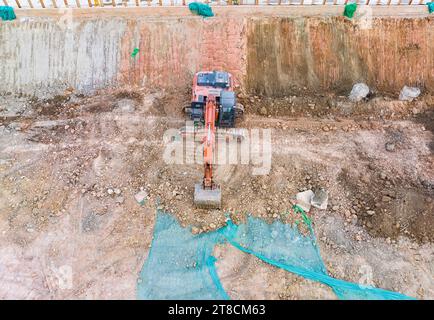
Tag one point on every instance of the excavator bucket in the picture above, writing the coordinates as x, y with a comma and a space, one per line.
207, 198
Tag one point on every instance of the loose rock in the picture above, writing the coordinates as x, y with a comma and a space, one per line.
409, 93
359, 92
390, 147
141, 197
304, 199
263, 111
320, 199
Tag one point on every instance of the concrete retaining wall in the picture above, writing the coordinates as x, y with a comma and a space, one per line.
270, 50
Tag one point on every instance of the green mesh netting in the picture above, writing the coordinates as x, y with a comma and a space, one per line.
201, 9
7, 13
430, 7
350, 9
180, 265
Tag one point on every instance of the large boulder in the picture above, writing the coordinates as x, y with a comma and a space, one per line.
359, 92
304, 198
409, 93
320, 199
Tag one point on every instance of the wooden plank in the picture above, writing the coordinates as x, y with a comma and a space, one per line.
30, 3
54, 3
89, 3
18, 3
77, 2
42, 3
6, 3
66, 3
137, 3
114, 3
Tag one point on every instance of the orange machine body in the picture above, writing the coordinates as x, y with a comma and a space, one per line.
213, 105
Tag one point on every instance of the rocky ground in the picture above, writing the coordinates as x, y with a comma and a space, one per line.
81, 178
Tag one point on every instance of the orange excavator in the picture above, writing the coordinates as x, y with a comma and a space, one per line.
213, 105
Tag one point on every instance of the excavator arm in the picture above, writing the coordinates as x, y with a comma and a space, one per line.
209, 141
208, 194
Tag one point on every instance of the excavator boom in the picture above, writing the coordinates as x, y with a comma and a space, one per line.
207, 194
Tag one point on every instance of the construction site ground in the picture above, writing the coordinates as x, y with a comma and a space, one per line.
71, 166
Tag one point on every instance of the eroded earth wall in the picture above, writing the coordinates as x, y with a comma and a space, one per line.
270, 50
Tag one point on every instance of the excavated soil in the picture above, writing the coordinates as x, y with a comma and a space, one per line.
71, 166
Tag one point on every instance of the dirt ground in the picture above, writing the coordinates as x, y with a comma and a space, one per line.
72, 166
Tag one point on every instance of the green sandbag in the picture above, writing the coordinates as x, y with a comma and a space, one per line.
7, 13
135, 52
350, 9
201, 9
430, 7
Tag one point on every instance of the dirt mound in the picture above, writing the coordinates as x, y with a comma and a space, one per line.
389, 206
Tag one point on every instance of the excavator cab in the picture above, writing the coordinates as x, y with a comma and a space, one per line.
218, 84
